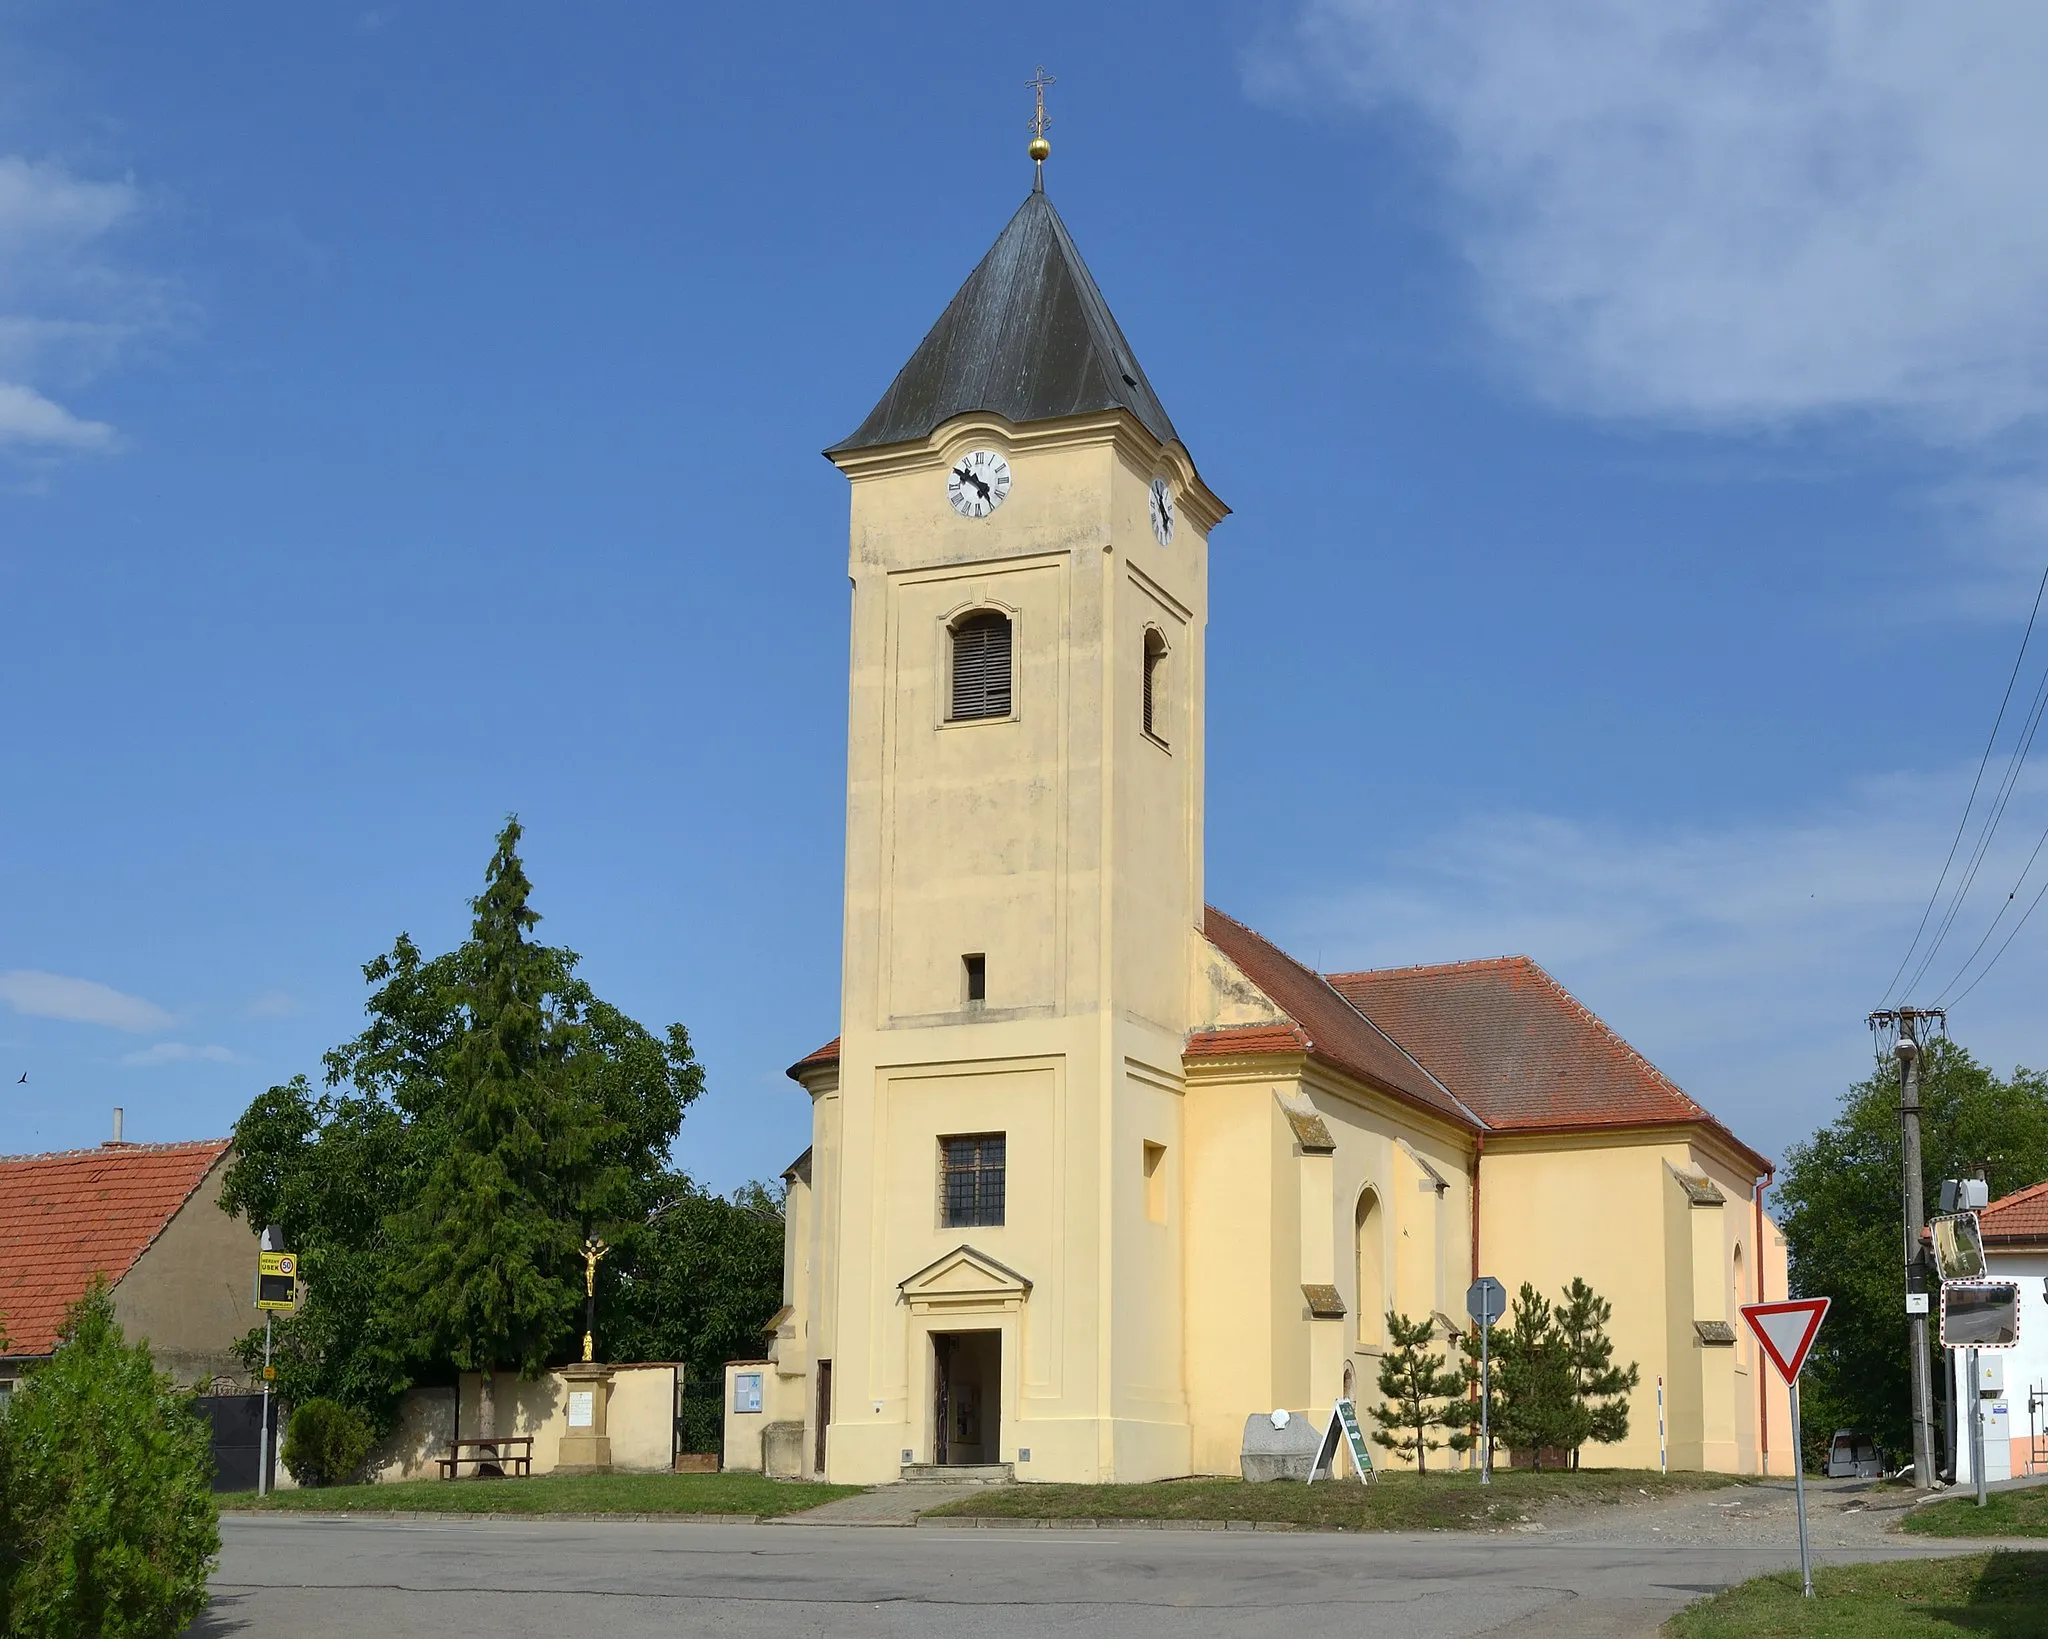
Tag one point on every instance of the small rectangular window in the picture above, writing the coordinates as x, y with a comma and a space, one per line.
976, 969
1155, 1182
971, 1181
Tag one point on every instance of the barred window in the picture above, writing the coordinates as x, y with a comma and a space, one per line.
971, 1180
981, 666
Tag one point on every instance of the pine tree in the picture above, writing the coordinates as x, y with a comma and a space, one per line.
1535, 1407
493, 1239
1418, 1394
1600, 1389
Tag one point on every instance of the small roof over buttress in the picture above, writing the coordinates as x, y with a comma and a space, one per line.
1028, 337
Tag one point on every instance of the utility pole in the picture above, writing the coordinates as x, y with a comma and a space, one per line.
1905, 1025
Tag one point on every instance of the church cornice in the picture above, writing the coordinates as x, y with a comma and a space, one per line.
1117, 428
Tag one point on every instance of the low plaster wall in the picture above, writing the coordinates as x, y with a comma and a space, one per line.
640, 1419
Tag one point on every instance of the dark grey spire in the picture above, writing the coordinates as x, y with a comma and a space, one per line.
1028, 336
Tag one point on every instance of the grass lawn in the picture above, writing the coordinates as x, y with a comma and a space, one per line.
558, 1494
2003, 1593
2004, 1514
1394, 1502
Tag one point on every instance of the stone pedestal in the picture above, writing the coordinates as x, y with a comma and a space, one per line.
586, 1448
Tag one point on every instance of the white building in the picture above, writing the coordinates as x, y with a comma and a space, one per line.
2013, 1382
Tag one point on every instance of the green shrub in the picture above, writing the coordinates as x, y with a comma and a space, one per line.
107, 1520
326, 1442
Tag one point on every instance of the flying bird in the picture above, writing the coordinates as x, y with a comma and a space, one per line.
24, 1077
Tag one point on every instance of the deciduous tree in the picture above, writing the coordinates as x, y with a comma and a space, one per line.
107, 1520
492, 1112
1840, 1197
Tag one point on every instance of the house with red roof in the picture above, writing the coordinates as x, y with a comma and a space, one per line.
2012, 1383
147, 1217
1097, 1173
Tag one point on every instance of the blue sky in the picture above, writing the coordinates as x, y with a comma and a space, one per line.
1632, 417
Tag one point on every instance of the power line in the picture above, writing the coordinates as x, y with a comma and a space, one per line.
2015, 765
2005, 905
1982, 763
2009, 938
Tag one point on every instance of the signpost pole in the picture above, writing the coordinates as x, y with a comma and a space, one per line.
1786, 1331
1485, 1403
263, 1447
1799, 1484
1977, 1430
1663, 1452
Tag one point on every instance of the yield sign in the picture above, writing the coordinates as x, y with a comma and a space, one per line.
1786, 1330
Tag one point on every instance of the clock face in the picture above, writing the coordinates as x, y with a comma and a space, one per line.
1162, 512
977, 483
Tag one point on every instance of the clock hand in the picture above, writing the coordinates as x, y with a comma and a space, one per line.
966, 477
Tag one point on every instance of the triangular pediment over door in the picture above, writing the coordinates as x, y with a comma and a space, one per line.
965, 1278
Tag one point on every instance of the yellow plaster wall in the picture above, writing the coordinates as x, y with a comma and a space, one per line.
1604, 1212
191, 1295
1611, 1209
1229, 1181
1065, 846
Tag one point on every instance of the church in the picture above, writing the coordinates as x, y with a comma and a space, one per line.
1096, 1170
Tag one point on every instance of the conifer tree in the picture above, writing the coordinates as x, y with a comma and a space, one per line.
1535, 1407
1600, 1388
492, 1239
1418, 1394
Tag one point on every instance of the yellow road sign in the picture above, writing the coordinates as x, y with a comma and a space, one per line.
277, 1281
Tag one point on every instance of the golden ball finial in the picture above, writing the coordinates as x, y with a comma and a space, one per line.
1040, 149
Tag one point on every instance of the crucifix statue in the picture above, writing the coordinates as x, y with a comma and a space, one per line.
1040, 148
593, 1253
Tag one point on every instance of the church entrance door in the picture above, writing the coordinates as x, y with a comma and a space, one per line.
967, 1417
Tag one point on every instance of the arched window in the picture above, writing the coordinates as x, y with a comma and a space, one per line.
1155, 654
1371, 1252
981, 666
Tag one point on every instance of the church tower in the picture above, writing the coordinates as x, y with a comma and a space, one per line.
996, 1160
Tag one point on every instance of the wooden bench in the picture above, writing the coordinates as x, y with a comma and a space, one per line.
510, 1454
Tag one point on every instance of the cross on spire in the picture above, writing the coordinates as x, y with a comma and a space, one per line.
1039, 124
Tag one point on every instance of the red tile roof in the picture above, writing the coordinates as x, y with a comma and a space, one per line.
1521, 1050
1327, 1026
2020, 1218
816, 1060
1495, 1045
65, 1216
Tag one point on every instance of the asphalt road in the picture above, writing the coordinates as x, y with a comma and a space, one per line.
325, 1579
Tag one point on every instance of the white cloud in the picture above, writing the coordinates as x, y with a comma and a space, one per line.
177, 1052
1741, 960
273, 1004
81, 1001
66, 309
1731, 211
26, 417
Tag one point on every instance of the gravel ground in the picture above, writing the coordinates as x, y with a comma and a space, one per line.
1763, 1513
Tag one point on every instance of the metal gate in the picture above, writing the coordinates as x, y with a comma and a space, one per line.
237, 1421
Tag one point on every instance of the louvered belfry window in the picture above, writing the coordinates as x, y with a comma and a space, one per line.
971, 1180
981, 666
1155, 655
